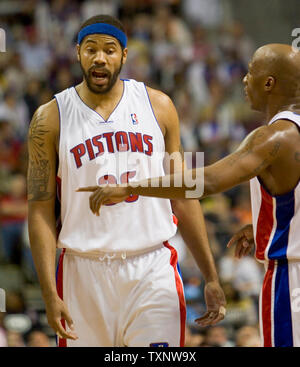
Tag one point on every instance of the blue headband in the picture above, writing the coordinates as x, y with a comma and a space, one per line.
103, 28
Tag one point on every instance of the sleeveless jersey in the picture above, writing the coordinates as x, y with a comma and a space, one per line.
128, 146
276, 219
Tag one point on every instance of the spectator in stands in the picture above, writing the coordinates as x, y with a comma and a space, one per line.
193, 337
3, 337
247, 336
38, 338
13, 212
14, 339
217, 335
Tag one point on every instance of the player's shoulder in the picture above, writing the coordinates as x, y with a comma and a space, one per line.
164, 110
285, 127
285, 133
48, 108
279, 130
48, 115
159, 98
274, 140
45, 122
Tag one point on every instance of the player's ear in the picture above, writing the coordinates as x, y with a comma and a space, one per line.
78, 52
125, 51
270, 83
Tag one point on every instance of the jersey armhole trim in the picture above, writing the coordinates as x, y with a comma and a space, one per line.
59, 136
153, 112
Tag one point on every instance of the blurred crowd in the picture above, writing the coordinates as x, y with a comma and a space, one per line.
196, 53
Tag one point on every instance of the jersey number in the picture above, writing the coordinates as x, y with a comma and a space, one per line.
110, 179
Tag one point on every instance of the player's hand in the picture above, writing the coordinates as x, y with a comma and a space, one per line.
57, 310
215, 303
244, 240
105, 195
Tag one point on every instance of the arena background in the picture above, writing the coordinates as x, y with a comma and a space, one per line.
197, 52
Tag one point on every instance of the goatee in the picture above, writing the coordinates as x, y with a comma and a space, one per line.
112, 78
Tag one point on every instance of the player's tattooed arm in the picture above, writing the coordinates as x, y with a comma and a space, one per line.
42, 144
39, 165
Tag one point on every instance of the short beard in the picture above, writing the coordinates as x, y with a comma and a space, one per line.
112, 80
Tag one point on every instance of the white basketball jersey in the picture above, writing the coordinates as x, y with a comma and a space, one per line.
128, 146
276, 219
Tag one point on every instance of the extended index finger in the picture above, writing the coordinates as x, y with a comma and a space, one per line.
87, 189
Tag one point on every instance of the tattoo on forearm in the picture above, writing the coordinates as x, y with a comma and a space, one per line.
39, 165
297, 157
38, 179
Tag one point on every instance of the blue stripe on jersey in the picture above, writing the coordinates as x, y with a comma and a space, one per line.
283, 332
178, 268
285, 209
56, 273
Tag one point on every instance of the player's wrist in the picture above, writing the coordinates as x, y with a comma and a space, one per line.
125, 189
49, 294
212, 278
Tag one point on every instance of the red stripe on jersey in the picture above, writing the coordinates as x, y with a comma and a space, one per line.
58, 214
58, 188
175, 220
179, 287
264, 224
59, 285
267, 305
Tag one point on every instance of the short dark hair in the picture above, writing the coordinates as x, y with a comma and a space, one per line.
103, 18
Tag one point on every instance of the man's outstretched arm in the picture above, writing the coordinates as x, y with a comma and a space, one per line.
255, 154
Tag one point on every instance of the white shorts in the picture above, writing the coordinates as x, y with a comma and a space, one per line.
136, 302
280, 304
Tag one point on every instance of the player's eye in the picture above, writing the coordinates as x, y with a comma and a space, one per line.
90, 50
110, 51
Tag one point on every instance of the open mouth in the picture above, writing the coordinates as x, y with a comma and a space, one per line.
99, 76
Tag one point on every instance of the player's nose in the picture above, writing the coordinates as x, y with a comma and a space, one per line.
100, 58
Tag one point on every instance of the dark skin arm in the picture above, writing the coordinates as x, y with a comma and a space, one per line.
42, 147
189, 213
269, 152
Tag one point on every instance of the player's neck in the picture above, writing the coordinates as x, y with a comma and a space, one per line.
283, 104
95, 100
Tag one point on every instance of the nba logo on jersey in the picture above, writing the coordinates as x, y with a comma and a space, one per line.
134, 119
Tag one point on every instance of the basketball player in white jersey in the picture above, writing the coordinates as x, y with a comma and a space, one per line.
117, 281
270, 158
